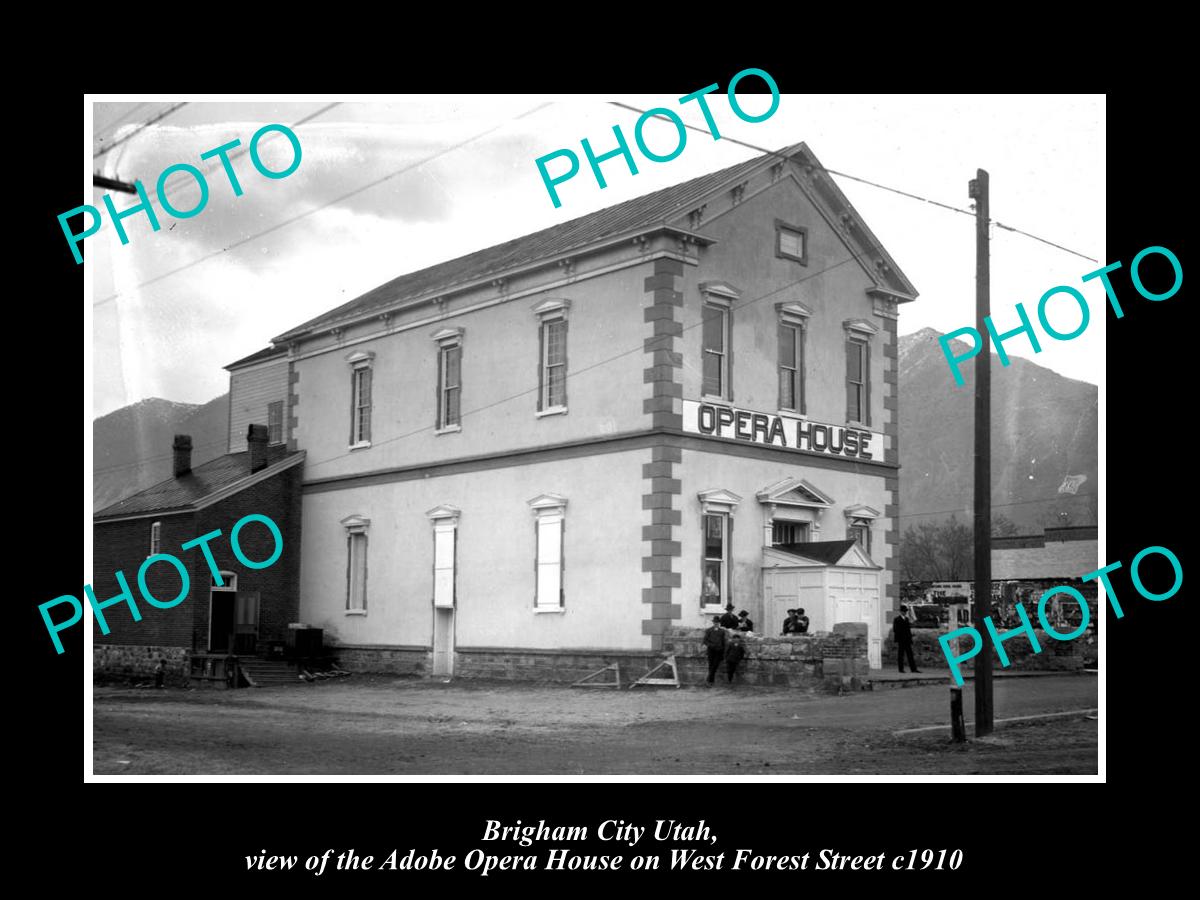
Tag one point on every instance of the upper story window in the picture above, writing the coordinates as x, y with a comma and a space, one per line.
275, 422
717, 340
791, 242
858, 370
785, 532
449, 390
552, 356
792, 317
155, 537
360, 399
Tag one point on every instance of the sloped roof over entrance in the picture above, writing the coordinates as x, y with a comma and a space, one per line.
819, 553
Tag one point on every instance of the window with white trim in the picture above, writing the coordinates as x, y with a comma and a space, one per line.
860, 530
552, 373
716, 539
275, 422
858, 380
449, 380
715, 328
784, 531
791, 365
445, 554
716, 560
859, 333
549, 565
791, 242
356, 564
155, 537
360, 399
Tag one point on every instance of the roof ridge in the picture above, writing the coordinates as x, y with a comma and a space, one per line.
572, 233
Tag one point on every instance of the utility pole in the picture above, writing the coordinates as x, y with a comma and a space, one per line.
978, 191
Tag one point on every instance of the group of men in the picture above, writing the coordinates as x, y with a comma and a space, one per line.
724, 645
796, 622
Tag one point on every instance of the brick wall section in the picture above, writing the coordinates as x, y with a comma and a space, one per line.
1056, 656
660, 474
823, 661
124, 546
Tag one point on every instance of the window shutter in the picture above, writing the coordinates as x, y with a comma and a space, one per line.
565, 366
353, 405
549, 562
541, 366
366, 429
443, 565
866, 391
852, 370
800, 362
440, 364
729, 354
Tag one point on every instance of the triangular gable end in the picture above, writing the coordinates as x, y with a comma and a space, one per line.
856, 558
800, 165
795, 492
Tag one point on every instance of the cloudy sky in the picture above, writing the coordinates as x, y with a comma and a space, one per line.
392, 186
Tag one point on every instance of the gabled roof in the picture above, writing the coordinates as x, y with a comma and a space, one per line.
829, 553
257, 356
628, 218
216, 478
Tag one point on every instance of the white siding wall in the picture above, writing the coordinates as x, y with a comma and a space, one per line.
250, 390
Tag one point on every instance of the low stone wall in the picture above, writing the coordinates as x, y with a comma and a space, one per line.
389, 660
1056, 656
829, 661
136, 662
553, 666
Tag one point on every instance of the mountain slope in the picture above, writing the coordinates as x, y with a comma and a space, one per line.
132, 445
1044, 428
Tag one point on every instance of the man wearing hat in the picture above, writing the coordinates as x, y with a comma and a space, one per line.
790, 623
744, 622
714, 643
729, 620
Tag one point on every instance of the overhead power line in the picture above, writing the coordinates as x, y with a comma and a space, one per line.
338, 199
875, 184
162, 115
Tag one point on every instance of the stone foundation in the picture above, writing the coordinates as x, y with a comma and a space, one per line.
134, 662
824, 661
1056, 656
404, 660
551, 666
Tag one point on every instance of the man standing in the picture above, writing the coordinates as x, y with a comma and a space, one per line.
714, 642
729, 620
902, 631
801, 626
733, 654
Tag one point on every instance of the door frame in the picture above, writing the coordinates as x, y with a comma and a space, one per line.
230, 587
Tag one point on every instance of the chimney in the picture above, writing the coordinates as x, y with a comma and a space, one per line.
256, 439
183, 454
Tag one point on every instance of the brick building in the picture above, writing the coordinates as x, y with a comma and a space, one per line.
564, 445
250, 608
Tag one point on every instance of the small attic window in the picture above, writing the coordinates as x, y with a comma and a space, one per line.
791, 242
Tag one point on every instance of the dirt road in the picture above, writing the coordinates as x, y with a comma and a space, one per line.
391, 726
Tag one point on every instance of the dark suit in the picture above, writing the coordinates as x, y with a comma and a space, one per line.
714, 642
733, 655
902, 629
